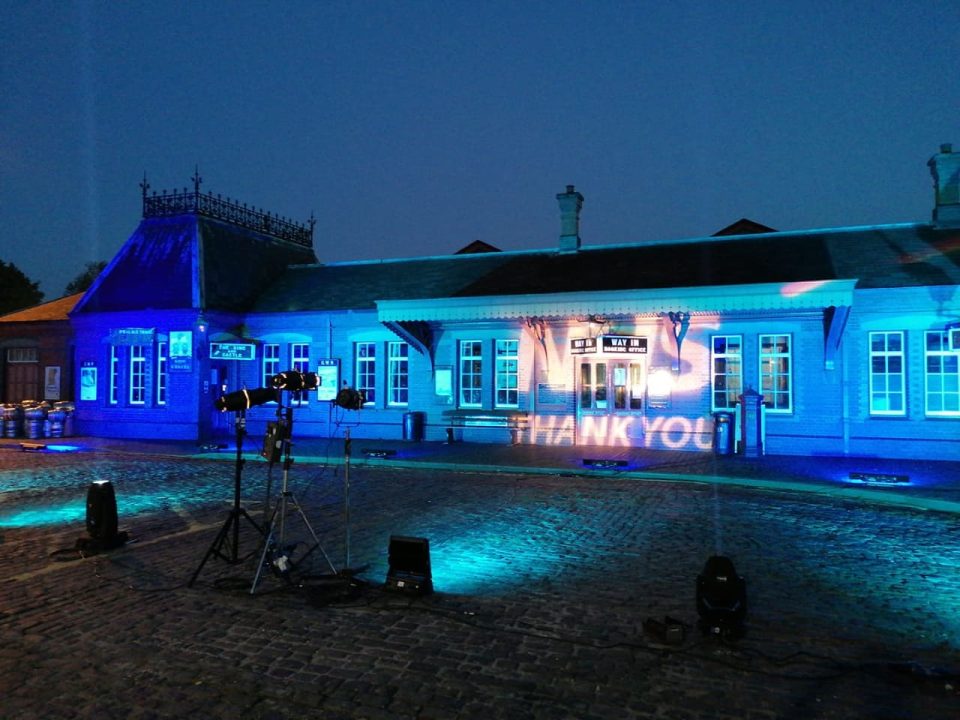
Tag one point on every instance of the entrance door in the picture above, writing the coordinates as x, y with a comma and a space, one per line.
610, 401
220, 384
22, 375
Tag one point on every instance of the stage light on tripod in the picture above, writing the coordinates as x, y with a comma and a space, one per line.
295, 380
350, 399
245, 399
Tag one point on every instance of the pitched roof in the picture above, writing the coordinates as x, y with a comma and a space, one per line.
50, 311
744, 226
477, 246
739, 261
359, 285
879, 256
157, 266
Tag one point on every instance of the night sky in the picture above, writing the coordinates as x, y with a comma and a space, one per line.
414, 128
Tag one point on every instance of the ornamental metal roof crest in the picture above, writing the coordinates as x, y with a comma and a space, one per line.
186, 201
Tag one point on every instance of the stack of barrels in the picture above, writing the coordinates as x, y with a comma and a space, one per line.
35, 419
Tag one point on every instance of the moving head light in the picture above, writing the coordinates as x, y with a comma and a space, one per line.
721, 598
294, 380
246, 399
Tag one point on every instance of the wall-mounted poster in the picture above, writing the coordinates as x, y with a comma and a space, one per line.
443, 384
181, 343
51, 382
180, 351
328, 378
88, 381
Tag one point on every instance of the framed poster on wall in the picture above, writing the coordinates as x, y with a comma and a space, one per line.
88, 380
51, 382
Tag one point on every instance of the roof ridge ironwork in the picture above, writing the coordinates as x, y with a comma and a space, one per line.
179, 202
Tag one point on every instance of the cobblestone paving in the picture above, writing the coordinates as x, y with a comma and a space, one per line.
542, 587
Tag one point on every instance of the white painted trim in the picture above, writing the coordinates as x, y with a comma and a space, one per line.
812, 295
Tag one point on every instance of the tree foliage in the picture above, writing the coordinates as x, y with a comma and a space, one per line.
85, 279
17, 291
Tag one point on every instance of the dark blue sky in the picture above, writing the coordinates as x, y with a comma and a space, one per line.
413, 128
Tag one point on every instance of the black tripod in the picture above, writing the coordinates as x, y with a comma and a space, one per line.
274, 542
229, 534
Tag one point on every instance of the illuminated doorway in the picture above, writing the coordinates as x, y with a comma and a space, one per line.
222, 381
610, 400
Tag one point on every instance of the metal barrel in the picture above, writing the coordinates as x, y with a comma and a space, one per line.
12, 420
35, 416
55, 419
69, 409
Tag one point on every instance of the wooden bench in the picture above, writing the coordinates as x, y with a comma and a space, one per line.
513, 420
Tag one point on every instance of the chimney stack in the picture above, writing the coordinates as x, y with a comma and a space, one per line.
945, 168
570, 203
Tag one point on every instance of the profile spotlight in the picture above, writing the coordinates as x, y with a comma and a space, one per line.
721, 598
350, 399
101, 519
294, 380
245, 399
409, 571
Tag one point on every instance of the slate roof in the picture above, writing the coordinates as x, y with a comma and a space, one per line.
344, 286
734, 262
155, 268
897, 256
907, 255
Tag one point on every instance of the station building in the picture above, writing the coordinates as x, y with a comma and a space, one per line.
838, 341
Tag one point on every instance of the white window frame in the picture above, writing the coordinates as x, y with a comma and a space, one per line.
300, 361
887, 356
137, 380
773, 372
161, 373
470, 373
269, 363
398, 374
947, 379
113, 394
506, 374
365, 370
727, 357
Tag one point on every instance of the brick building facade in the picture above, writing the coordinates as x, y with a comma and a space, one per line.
832, 341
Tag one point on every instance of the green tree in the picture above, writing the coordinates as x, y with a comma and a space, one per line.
16, 289
85, 279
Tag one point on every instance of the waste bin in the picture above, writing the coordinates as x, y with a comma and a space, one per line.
723, 433
413, 423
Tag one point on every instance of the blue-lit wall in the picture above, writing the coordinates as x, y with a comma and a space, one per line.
830, 407
917, 434
188, 399
830, 392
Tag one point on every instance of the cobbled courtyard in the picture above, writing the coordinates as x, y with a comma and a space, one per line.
542, 586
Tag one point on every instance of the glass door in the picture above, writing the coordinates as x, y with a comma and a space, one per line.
610, 401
